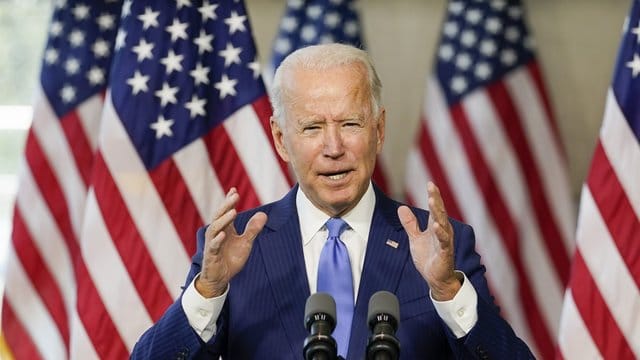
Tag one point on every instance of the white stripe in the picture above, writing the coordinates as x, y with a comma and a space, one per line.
51, 137
109, 274
607, 267
623, 150
143, 203
500, 272
80, 347
550, 164
507, 172
417, 177
89, 112
194, 165
575, 341
47, 238
31, 312
256, 153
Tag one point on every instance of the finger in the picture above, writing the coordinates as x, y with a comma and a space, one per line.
229, 202
222, 223
436, 205
445, 238
408, 221
255, 225
215, 244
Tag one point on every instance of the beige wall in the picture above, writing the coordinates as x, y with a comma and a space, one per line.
577, 42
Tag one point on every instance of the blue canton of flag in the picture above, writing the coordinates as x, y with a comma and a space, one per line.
624, 86
480, 42
181, 72
78, 53
310, 22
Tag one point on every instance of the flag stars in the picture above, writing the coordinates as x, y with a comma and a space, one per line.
126, 8
456, 7
95, 76
235, 22
143, 50
450, 29
468, 38
351, 28
200, 74
488, 47
56, 29
634, 65
178, 30
314, 11
636, 32
208, 11
231, 55
72, 66
226, 86
100, 48
121, 39
473, 16
51, 56
255, 67
67, 94
149, 18
172, 62
446, 52
482, 71
515, 12
204, 42
493, 25
512, 34
508, 57
308, 33
162, 127
196, 106
182, 3
81, 12
106, 21
289, 24
282, 45
463, 61
332, 19
167, 94
76, 38
138, 83
459, 84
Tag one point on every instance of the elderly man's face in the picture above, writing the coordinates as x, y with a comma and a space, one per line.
330, 136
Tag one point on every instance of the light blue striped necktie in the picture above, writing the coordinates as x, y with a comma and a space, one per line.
335, 278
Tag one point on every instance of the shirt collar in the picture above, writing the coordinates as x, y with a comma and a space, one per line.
313, 219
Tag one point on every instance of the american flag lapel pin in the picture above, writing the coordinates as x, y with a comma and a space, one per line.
394, 244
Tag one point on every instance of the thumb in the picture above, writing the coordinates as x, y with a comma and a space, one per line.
408, 221
255, 225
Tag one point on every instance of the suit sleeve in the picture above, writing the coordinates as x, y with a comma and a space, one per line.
491, 337
171, 337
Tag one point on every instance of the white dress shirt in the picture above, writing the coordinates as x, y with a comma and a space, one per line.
460, 313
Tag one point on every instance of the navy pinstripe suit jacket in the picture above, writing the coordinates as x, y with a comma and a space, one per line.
263, 314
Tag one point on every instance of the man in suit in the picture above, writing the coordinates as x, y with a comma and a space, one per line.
245, 293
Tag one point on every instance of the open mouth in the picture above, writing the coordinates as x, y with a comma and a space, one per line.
337, 175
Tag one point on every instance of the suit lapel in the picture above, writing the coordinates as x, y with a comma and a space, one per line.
281, 249
386, 255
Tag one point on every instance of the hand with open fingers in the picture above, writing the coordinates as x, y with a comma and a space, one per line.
226, 251
432, 249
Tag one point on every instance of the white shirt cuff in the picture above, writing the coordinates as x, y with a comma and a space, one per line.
202, 313
460, 313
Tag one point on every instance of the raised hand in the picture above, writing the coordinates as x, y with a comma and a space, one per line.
226, 251
432, 249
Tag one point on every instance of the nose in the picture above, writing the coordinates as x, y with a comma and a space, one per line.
333, 142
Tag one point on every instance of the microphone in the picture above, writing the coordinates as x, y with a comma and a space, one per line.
320, 320
383, 318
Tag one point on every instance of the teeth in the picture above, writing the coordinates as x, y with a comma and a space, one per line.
337, 176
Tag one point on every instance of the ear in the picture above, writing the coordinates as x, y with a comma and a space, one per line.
380, 130
278, 139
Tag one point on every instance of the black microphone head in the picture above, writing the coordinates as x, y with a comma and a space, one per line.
383, 306
320, 307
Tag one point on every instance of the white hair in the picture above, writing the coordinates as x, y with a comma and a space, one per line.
322, 57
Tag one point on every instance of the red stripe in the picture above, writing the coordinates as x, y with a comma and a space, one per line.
508, 231
547, 224
229, 168
536, 75
17, 338
39, 276
596, 315
178, 202
438, 175
78, 143
88, 297
129, 242
262, 108
616, 210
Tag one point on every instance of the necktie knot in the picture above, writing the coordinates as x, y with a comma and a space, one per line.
335, 226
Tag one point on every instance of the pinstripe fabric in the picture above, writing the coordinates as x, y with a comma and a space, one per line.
263, 314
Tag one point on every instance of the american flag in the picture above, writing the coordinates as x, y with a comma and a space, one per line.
185, 118
312, 22
601, 310
487, 138
39, 314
